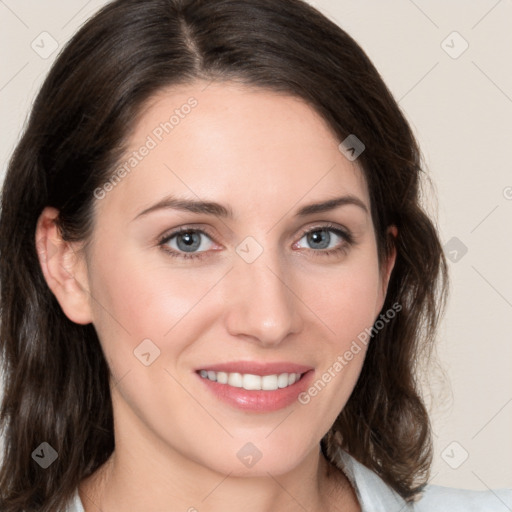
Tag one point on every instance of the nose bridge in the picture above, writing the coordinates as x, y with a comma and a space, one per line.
262, 304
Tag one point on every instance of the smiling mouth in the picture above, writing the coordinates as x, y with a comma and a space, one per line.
252, 382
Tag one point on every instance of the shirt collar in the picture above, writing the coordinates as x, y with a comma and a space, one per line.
373, 493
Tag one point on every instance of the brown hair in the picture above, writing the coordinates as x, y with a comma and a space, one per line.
55, 375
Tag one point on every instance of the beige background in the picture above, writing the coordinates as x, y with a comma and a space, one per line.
460, 107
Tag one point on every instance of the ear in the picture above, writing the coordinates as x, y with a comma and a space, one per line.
387, 267
64, 268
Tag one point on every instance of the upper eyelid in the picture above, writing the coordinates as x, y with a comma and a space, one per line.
328, 226
184, 229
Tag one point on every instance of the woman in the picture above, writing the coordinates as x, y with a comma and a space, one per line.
216, 273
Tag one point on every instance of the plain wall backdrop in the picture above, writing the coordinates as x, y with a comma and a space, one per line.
448, 64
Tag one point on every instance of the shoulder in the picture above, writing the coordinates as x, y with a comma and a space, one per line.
376, 496
454, 500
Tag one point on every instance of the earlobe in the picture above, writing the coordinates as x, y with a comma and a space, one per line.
63, 267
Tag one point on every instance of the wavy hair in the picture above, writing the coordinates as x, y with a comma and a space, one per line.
56, 379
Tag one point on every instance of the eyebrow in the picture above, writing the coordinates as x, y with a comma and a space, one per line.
219, 210
331, 204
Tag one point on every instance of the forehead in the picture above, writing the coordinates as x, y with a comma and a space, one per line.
254, 149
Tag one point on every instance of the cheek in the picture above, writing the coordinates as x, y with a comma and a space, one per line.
345, 300
347, 309
135, 301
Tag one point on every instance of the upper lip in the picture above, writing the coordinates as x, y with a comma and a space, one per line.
256, 368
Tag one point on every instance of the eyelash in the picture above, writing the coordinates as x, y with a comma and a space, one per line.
342, 249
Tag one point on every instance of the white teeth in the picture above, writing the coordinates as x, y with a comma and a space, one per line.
282, 380
252, 382
269, 382
222, 377
235, 380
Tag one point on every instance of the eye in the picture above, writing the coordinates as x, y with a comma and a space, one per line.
186, 243
325, 239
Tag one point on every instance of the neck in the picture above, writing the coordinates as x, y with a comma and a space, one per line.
149, 475
121, 485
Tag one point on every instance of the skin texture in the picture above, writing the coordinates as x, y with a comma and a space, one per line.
263, 155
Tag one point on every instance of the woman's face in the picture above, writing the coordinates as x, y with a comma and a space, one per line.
260, 285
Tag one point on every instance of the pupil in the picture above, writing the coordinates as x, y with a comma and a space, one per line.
321, 238
187, 241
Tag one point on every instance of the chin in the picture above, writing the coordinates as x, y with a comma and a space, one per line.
243, 458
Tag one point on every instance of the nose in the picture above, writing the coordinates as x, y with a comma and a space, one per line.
262, 301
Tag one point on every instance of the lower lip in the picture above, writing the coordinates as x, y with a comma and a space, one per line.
259, 401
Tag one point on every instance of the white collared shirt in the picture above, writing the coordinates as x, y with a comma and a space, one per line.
375, 495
